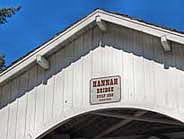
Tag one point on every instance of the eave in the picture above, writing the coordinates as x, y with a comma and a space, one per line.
91, 18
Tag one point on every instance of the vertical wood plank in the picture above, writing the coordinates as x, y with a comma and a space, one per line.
31, 98
128, 69
22, 106
96, 55
13, 109
160, 76
4, 111
78, 73
40, 98
149, 71
116, 51
107, 53
138, 66
171, 83
123, 42
59, 85
49, 90
68, 78
87, 65
179, 77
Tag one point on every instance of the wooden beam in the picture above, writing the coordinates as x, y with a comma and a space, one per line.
83, 125
165, 43
42, 62
119, 125
101, 24
142, 27
158, 137
145, 119
78, 122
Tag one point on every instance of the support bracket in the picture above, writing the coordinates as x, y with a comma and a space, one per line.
42, 62
100, 23
165, 43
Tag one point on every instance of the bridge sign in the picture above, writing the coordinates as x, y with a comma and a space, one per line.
105, 90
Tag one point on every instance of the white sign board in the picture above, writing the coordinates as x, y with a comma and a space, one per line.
105, 90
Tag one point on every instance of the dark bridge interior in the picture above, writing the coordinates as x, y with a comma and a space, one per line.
121, 123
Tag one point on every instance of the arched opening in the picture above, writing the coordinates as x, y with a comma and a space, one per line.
119, 123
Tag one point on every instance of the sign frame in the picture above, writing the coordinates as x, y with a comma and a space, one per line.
90, 100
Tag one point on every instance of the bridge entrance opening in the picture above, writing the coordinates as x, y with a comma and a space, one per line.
119, 123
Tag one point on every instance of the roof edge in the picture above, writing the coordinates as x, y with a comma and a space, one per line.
142, 26
104, 15
48, 46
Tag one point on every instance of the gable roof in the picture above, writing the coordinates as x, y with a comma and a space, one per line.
115, 18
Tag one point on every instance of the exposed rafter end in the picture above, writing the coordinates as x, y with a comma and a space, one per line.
153, 137
42, 62
158, 137
119, 125
101, 24
136, 118
165, 43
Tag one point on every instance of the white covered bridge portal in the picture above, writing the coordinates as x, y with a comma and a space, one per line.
106, 76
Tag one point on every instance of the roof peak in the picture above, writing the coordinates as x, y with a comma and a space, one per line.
105, 16
101, 10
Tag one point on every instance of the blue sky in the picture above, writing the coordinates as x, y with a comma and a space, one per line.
39, 20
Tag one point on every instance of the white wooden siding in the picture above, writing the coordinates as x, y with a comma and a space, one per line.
150, 78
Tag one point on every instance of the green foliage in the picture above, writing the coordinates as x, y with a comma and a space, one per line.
7, 12
2, 62
4, 14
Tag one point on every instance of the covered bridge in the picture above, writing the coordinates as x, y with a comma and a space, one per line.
106, 76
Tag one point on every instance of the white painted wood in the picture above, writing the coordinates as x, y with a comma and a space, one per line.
68, 78
165, 43
100, 23
31, 100
13, 110
171, 78
161, 77
151, 79
49, 90
116, 53
40, 98
87, 62
140, 26
109, 17
149, 71
58, 102
22, 106
47, 47
42, 61
128, 67
179, 78
4, 111
139, 78
77, 74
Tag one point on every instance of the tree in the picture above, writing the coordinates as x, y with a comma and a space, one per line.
4, 14
2, 62
7, 12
